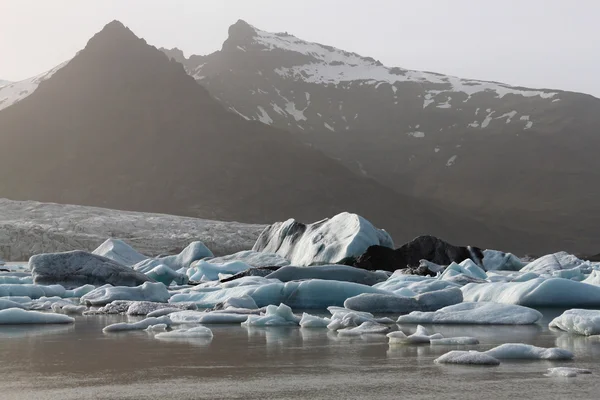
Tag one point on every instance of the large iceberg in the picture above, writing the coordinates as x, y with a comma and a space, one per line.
341, 273
120, 252
553, 262
391, 303
156, 292
578, 321
475, 313
76, 268
253, 258
311, 294
540, 292
324, 242
17, 316
193, 252
494, 260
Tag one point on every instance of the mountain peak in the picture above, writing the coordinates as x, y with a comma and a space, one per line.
114, 34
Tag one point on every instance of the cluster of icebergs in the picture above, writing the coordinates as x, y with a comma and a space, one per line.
296, 266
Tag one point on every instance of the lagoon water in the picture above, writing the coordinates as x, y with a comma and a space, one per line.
81, 362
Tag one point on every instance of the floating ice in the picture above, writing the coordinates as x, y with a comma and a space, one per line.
312, 321
166, 275
528, 352
581, 322
494, 260
552, 262
15, 280
163, 311
341, 273
367, 327
324, 242
452, 341
147, 307
76, 268
17, 316
67, 308
466, 267
209, 271
476, 313
195, 332
343, 318
281, 315
32, 291
156, 292
193, 252
120, 252
540, 292
252, 258
388, 303
4, 304
157, 328
567, 372
140, 325
197, 317
467, 358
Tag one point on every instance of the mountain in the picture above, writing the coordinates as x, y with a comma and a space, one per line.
4, 83
122, 126
513, 156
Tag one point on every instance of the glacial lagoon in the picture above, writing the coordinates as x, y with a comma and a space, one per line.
79, 361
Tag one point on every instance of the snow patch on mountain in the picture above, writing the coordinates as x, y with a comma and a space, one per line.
17, 91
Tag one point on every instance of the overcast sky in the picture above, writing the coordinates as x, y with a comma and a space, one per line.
536, 43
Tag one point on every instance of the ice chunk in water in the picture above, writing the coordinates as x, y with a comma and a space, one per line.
367, 327
195, 332
528, 352
452, 341
17, 316
140, 325
567, 372
149, 291
312, 321
467, 358
581, 322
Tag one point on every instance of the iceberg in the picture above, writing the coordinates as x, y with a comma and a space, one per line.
166, 275
140, 325
311, 294
324, 242
366, 328
540, 292
31, 291
4, 304
281, 315
193, 252
420, 336
157, 328
467, 358
391, 303
163, 311
466, 267
578, 321
120, 252
17, 316
156, 292
209, 271
199, 317
475, 313
340, 273
494, 260
567, 372
312, 321
255, 259
528, 352
343, 318
196, 332
147, 307
76, 268
552, 262
454, 341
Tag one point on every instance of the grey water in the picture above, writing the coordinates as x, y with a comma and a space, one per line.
81, 362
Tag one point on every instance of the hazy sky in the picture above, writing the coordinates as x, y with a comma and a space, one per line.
537, 43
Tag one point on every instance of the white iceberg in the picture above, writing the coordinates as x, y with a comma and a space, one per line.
199, 317
467, 358
391, 303
17, 316
156, 292
324, 242
420, 336
313, 321
209, 271
494, 260
475, 313
157, 328
366, 328
553, 262
32, 291
189, 333
281, 315
528, 352
252, 258
466, 267
165, 275
578, 321
120, 252
567, 372
4, 304
140, 325
540, 292
193, 252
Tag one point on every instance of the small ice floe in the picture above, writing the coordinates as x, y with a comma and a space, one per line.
157, 328
17, 316
367, 327
455, 341
420, 336
281, 315
567, 372
201, 317
578, 321
187, 333
140, 325
476, 313
467, 358
149, 291
312, 321
344, 318
528, 352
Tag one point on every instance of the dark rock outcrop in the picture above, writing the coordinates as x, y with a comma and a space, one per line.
410, 255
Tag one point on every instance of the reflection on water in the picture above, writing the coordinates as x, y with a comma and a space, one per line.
79, 361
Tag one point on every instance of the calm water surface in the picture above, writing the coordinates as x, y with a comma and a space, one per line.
81, 362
